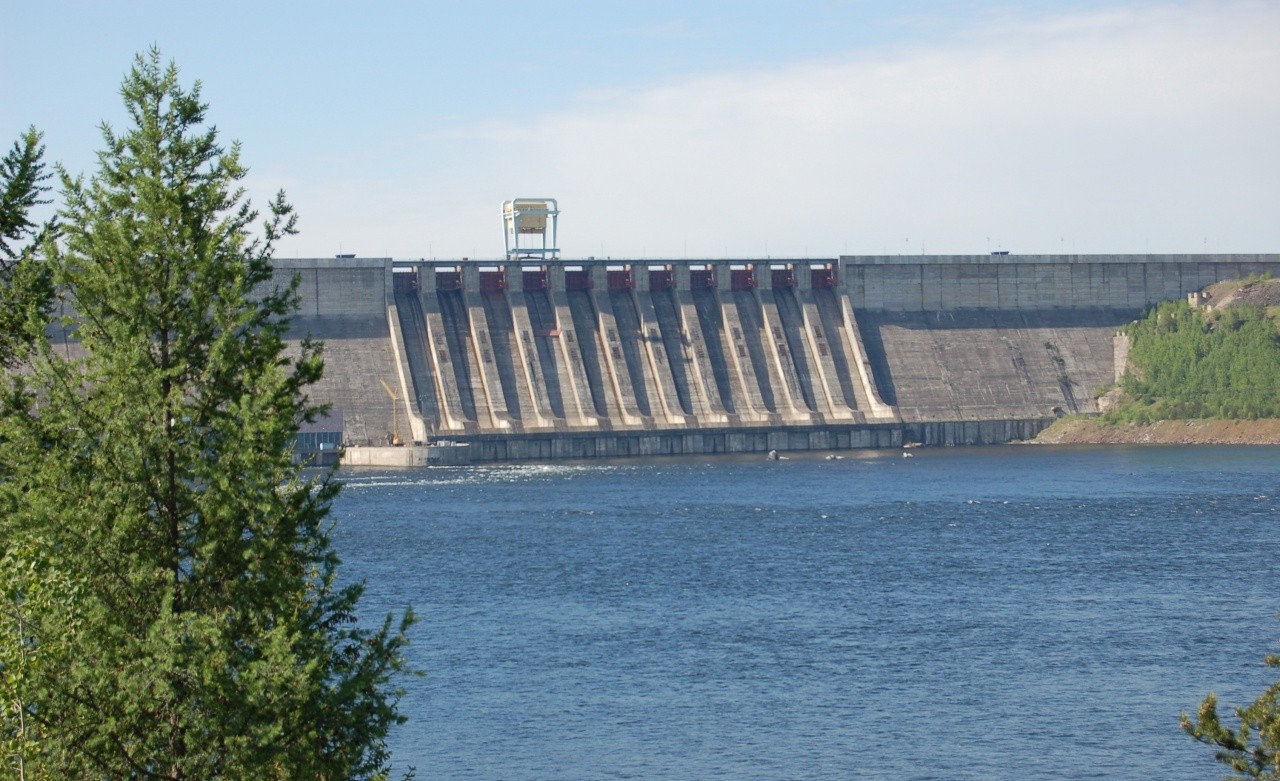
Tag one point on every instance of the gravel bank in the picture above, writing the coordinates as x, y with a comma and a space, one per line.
1091, 431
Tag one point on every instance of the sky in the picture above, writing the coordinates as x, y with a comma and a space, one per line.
703, 129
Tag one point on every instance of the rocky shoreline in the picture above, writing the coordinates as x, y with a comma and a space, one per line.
1093, 431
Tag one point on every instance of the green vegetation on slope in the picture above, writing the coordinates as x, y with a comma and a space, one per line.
1191, 363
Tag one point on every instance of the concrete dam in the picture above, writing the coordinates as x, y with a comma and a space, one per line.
542, 358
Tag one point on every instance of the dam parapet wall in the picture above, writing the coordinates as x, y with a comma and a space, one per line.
935, 283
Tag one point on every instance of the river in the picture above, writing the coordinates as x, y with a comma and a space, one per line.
979, 613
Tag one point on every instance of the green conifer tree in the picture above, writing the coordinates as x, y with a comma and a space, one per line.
168, 602
25, 294
1252, 750
22, 186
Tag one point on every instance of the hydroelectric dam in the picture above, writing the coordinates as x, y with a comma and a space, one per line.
548, 358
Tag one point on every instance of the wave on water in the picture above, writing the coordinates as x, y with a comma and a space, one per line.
470, 475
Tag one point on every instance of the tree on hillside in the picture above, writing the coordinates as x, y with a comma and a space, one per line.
24, 290
1252, 750
168, 601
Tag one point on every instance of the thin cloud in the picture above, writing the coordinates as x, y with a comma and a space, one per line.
669, 30
1147, 129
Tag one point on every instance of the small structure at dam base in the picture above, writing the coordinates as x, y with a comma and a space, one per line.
436, 454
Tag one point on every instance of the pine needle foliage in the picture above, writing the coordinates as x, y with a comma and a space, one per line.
1252, 749
25, 292
169, 607
22, 188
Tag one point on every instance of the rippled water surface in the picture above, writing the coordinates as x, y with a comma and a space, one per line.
997, 613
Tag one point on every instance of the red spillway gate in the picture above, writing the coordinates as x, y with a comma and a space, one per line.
405, 281
661, 279
577, 280
823, 278
448, 280
783, 279
492, 281
620, 280
534, 280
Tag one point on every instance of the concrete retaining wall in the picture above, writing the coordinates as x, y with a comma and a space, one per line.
343, 302
343, 288
971, 364
931, 283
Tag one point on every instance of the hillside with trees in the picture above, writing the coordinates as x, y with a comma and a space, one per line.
1189, 363
1207, 374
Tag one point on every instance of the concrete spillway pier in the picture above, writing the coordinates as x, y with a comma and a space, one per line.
586, 347
571, 358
